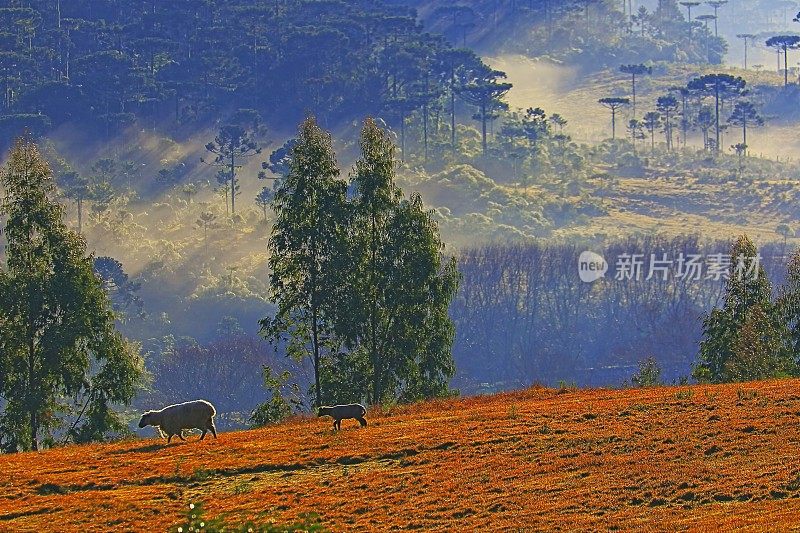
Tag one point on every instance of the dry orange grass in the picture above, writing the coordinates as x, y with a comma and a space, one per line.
714, 458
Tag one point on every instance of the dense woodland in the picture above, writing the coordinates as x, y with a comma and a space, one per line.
185, 114
110, 64
115, 63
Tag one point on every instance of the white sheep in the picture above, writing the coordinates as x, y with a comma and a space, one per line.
172, 420
340, 412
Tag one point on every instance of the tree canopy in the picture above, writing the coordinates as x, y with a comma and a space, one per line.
61, 356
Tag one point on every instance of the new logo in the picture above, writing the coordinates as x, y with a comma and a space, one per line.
591, 266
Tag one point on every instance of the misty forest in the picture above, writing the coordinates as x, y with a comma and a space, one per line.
280, 204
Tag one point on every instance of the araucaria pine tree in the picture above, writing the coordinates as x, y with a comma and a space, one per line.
484, 91
744, 339
667, 107
61, 355
310, 211
721, 87
233, 144
745, 114
614, 104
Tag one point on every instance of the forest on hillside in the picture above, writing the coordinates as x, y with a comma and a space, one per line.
109, 64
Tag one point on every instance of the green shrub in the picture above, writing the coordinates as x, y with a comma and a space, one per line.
278, 407
649, 373
564, 387
513, 412
684, 394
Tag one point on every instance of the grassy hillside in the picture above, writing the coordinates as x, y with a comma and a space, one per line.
675, 457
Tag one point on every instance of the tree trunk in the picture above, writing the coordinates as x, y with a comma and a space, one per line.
31, 388
684, 122
668, 133
425, 129
314, 317
233, 186
376, 388
483, 126
315, 342
613, 123
785, 66
745, 53
630, 16
744, 134
716, 103
403, 132
453, 110
34, 432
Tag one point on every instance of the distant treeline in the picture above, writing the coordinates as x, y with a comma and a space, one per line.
110, 63
589, 34
523, 315
106, 64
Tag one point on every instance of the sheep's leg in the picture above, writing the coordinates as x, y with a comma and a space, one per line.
336, 424
169, 438
203, 434
212, 428
362, 421
181, 436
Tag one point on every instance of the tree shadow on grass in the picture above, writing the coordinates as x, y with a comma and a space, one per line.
142, 449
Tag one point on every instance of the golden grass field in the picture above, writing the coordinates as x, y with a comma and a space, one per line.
672, 458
